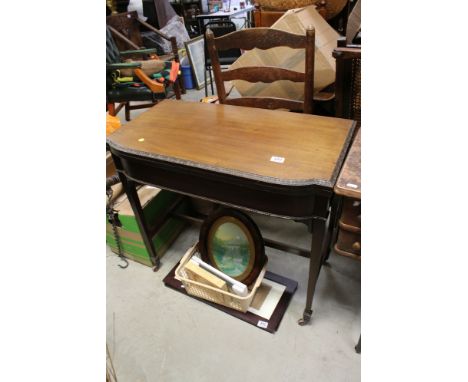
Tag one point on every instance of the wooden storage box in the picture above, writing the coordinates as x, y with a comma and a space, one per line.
266, 19
351, 215
349, 234
348, 243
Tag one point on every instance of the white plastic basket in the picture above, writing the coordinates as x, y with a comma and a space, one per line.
210, 293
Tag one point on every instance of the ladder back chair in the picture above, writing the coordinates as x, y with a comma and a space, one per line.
264, 38
127, 30
226, 57
348, 81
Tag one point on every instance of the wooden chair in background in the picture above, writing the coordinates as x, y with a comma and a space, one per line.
348, 81
116, 93
226, 57
127, 31
264, 38
265, 18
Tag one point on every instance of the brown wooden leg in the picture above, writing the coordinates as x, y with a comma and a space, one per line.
181, 84
130, 189
211, 82
127, 111
315, 263
336, 207
111, 109
177, 88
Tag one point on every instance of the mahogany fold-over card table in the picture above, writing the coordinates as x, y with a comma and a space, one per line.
276, 163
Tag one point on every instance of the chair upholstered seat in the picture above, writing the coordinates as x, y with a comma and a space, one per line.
130, 93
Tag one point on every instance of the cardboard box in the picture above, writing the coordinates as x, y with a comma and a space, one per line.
354, 23
110, 166
154, 203
294, 21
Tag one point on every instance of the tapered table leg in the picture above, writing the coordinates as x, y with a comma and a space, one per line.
315, 263
335, 212
132, 195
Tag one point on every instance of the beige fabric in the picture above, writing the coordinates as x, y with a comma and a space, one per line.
354, 23
149, 67
293, 21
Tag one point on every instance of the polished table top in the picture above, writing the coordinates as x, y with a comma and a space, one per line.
349, 180
271, 146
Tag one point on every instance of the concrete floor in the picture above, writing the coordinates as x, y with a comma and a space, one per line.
157, 334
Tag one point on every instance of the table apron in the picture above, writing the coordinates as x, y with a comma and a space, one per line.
288, 201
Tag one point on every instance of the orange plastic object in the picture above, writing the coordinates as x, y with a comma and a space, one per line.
153, 85
112, 124
174, 71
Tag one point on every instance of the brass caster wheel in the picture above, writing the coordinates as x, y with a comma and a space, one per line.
358, 346
157, 266
305, 318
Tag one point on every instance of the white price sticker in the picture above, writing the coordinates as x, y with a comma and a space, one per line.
262, 324
277, 159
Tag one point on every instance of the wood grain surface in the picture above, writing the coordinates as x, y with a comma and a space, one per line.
349, 180
261, 38
239, 140
264, 38
265, 74
271, 103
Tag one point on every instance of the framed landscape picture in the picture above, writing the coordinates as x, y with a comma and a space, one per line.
196, 53
231, 242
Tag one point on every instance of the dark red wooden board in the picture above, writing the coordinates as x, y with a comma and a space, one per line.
251, 318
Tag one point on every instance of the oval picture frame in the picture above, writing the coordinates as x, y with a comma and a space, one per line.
231, 242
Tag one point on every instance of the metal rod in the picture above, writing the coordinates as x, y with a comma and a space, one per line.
268, 242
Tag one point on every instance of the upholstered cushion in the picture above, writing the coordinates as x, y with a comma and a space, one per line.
131, 93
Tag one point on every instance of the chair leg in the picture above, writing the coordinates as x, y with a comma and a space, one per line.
206, 85
111, 108
181, 84
211, 82
176, 87
127, 111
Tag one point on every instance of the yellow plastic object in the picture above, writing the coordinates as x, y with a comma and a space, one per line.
112, 124
210, 99
124, 79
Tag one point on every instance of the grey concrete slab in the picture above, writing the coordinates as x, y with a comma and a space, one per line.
157, 334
